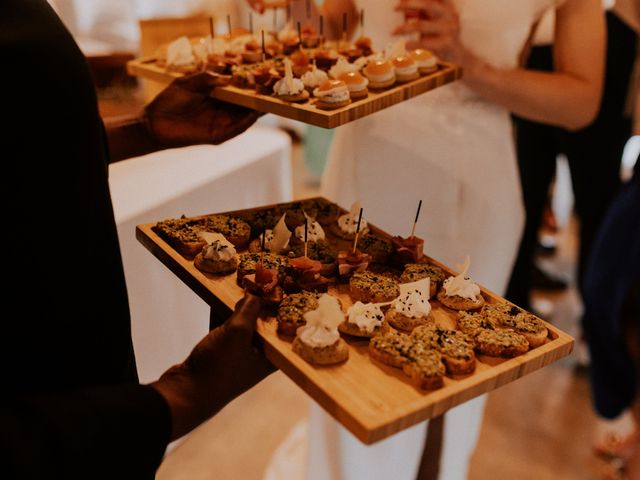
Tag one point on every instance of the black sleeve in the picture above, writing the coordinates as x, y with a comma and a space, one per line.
116, 432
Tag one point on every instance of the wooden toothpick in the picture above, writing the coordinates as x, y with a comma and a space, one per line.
355, 240
306, 226
413, 230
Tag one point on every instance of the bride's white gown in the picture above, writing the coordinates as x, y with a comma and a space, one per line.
454, 151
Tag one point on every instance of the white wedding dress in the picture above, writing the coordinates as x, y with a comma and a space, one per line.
455, 152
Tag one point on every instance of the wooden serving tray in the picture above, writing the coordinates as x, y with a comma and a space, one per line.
371, 400
307, 112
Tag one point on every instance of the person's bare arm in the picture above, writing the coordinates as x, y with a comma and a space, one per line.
568, 97
182, 114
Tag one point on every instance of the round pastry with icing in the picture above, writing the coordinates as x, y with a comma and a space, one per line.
363, 320
406, 69
380, 73
217, 257
356, 83
410, 310
332, 94
426, 61
313, 78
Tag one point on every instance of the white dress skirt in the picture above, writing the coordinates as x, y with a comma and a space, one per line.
455, 152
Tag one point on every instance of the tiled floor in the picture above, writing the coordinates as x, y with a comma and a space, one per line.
539, 427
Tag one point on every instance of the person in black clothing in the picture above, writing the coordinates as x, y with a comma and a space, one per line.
71, 405
594, 154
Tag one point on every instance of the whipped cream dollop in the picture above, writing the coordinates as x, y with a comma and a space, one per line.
348, 222
339, 93
367, 316
413, 301
342, 66
321, 329
289, 85
218, 248
315, 231
314, 77
179, 52
461, 285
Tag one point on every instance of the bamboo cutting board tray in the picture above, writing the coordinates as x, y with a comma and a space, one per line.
371, 400
307, 112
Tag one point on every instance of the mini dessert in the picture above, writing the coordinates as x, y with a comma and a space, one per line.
310, 37
368, 287
411, 308
363, 320
217, 256
391, 348
473, 324
357, 85
365, 45
341, 67
350, 262
304, 274
289, 88
456, 350
322, 251
318, 342
460, 292
510, 317
501, 343
315, 232
379, 248
406, 69
291, 311
427, 371
407, 250
252, 52
380, 73
180, 57
248, 262
300, 63
266, 76
264, 282
275, 240
182, 234
417, 271
237, 231
242, 77
313, 78
325, 58
291, 44
324, 212
426, 61
347, 225
332, 94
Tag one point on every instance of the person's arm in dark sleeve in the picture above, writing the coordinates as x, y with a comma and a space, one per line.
108, 432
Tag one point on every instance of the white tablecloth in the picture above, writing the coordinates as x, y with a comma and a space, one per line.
250, 170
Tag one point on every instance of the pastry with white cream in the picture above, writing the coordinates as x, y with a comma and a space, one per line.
332, 94
318, 342
411, 308
425, 59
363, 320
289, 88
217, 256
460, 292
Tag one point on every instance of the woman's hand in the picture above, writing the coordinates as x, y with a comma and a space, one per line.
437, 25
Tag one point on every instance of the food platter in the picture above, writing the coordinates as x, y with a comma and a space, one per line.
370, 399
148, 67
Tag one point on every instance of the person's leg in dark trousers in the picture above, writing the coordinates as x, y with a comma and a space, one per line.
536, 149
595, 152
